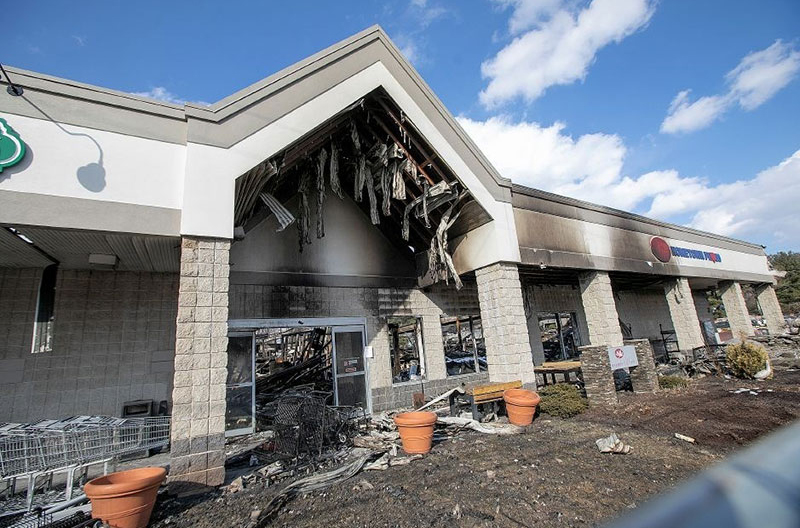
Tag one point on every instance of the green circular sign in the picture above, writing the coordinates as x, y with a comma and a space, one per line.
12, 148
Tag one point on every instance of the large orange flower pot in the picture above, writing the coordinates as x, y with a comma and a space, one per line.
416, 431
521, 405
125, 499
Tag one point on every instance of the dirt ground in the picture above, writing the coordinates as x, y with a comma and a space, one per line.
551, 475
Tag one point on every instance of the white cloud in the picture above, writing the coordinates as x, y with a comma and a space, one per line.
528, 13
425, 13
758, 77
543, 157
412, 21
761, 74
590, 167
81, 41
159, 93
684, 116
558, 44
409, 48
764, 205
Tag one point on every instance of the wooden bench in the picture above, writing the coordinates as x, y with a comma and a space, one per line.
565, 368
491, 393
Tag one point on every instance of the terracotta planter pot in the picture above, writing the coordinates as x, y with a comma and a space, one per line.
125, 499
521, 405
416, 431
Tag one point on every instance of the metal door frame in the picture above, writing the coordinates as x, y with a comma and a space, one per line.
251, 325
351, 329
252, 428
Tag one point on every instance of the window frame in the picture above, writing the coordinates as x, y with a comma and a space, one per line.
573, 319
476, 356
419, 346
45, 309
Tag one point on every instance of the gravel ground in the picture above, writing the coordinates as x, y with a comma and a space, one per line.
551, 475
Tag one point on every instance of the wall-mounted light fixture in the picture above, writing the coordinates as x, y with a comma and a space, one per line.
102, 261
12, 88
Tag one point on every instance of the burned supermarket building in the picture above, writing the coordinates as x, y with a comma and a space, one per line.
330, 227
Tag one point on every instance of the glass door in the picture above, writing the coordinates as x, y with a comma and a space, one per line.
350, 375
240, 386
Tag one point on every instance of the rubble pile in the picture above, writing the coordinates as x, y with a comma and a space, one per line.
324, 445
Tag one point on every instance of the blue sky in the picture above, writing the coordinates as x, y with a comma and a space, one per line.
683, 110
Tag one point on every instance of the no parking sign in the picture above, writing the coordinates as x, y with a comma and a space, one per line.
622, 357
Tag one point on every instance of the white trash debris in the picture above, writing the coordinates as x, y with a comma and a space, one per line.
764, 374
488, 428
363, 485
685, 438
612, 444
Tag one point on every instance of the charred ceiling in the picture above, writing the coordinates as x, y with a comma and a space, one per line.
371, 152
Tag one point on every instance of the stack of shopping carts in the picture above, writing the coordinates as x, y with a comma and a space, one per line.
41, 449
53, 444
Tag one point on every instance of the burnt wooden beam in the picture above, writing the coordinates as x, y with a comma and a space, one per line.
418, 144
403, 148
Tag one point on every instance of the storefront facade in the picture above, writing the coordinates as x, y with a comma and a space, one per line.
139, 259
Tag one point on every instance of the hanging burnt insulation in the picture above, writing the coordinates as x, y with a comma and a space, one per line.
386, 191
425, 191
282, 214
440, 263
379, 154
304, 213
336, 185
248, 188
360, 177
436, 196
410, 168
322, 158
373, 199
395, 151
354, 137
395, 175
395, 170
440, 194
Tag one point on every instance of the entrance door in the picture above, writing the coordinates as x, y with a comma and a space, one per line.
240, 387
350, 377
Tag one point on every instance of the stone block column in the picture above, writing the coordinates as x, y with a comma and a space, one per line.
201, 357
598, 379
505, 329
600, 308
735, 308
770, 309
683, 313
644, 377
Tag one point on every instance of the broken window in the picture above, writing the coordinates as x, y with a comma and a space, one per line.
45, 311
464, 348
560, 335
406, 348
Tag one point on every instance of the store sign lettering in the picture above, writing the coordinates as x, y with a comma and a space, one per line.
12, 148
663, 251
696, 254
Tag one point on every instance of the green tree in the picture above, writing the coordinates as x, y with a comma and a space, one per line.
788, 289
